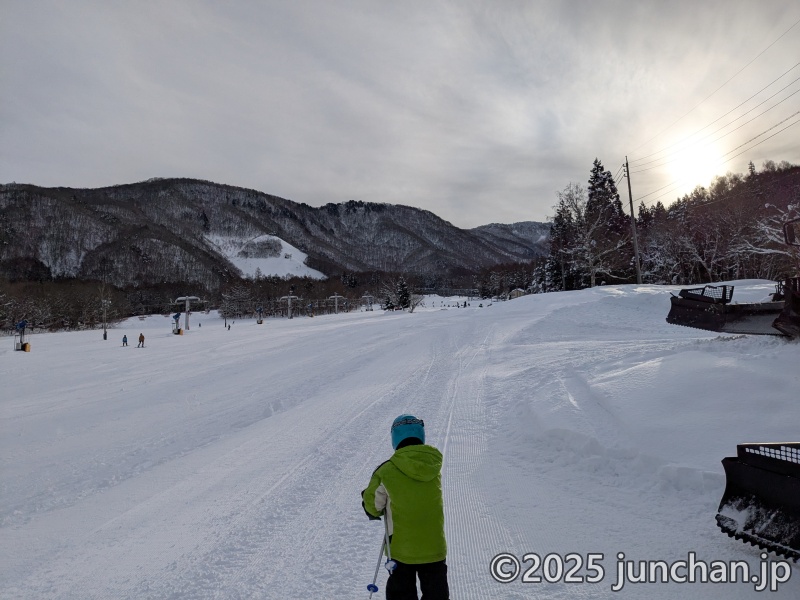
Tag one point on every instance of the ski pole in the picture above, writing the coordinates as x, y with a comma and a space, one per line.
372, 588
390, 564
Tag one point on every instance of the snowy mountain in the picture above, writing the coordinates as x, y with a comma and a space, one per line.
229, 463
183, 230
527, 238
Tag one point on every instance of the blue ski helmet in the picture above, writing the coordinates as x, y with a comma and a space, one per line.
407, 426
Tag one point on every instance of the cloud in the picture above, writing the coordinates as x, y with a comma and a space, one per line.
477, 111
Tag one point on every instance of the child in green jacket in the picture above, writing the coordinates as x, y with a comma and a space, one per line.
407, 490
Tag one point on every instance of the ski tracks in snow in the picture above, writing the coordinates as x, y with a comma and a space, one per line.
312, 509
460, 428
217, 520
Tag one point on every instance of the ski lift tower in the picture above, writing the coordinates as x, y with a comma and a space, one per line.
289, 300
335, 299
367, 298
188, 300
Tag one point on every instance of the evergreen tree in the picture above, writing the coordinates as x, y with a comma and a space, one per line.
593, 249
559, 272
645, 219
237, 302
403, 293
609, 225
603, 202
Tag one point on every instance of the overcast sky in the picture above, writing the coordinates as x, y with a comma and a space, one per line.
476, 111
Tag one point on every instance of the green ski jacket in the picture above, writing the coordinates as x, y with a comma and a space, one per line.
407, 488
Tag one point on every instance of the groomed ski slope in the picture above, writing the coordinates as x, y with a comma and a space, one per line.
229, 463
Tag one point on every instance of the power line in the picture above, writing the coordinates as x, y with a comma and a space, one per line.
679, 182
765, 139
727, 125
720, 87
730, 111
736, 148
727, 197
673, 184
653, 200
745, 192
722, 136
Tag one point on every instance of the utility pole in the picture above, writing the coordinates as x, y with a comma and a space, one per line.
633, 225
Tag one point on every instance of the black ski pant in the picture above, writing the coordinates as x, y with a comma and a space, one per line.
402, 583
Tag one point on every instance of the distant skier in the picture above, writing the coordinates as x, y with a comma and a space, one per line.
124, 340
407, 490
141, 341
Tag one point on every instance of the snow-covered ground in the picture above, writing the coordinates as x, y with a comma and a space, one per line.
229, 463
245, 256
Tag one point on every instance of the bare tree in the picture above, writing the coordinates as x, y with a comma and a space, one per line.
414, 301
768, 236
594, 249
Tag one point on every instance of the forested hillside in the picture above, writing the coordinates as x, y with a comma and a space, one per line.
78, 257
730, 230
171, 230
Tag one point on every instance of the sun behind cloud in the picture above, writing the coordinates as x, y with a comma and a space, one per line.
694, 166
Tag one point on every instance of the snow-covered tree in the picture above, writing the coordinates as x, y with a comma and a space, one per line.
768, 240
595, 248
237, 302
603, 203
414, 301
559, 274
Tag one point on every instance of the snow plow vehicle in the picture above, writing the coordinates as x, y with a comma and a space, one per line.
761, 503
710, 307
